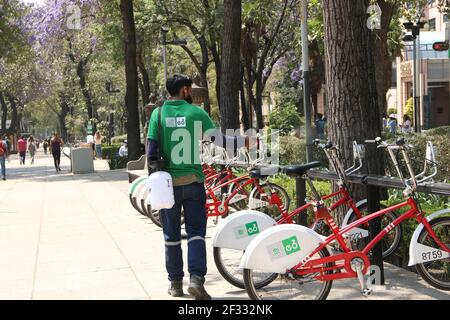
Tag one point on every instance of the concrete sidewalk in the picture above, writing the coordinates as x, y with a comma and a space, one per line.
77, 237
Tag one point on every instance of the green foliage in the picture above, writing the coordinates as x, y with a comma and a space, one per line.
439, 138
118, 139
409, 108
391, 111
110, 153
293, 151
285, 118
323, 188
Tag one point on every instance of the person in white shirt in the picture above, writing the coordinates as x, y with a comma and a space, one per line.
123, 151
407, 124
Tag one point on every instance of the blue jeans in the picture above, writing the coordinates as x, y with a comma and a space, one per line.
192, 198
3, 165
98, 150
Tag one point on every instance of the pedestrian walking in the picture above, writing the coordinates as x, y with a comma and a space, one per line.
98, 144
407, 124
45, 146
3, 155
188, 183
56, 143
22, 147
8, 145
31, 148
392, 124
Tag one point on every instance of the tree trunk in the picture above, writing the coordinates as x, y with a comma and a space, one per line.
204, 84
350, 79
259, 102
4, 112
145, 79
65, 109
14, 115
383, 61
81, 72
315, 105
132, 94
231, 73
244, 108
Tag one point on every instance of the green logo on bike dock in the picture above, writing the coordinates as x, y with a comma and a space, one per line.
248, 230
284, 248
291, 245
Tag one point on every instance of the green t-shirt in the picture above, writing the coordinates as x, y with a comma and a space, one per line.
183, 126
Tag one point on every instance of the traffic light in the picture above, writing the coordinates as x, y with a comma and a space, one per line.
441, 46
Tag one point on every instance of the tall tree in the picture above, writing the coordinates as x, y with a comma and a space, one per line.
231, 70
132, 92
268, 34
203, 19
350, 77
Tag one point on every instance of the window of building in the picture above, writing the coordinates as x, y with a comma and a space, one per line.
432, 24
446, 18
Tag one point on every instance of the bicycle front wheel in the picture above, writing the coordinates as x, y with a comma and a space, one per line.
390, 242
263, 202
436, 272
283, 287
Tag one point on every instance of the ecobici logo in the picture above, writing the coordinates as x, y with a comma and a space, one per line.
247, 230
284, 248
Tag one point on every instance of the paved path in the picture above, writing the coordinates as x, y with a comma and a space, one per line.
77, 237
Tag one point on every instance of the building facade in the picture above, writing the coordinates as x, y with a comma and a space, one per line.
434, 73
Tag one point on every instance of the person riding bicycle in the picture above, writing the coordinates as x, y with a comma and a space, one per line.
182, 126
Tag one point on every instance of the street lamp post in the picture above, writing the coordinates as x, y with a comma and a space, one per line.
300, 184
110, 90
414, 37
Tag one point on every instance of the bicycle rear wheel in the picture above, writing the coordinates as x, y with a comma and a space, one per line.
227, 262
437, 272
285, 288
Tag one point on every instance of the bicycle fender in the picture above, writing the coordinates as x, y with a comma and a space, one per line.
239, 229
134, 184
143, 185
143, 194
280, 248
350, 212
415, 249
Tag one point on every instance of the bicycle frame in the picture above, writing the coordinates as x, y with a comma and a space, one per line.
274, 198
345, 200
308, 266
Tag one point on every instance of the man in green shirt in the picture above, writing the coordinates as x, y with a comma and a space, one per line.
183, 125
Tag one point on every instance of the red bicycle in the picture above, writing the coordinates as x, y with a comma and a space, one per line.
303, 265
229, 248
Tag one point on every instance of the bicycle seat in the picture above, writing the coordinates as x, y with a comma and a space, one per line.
261, 173
299, 170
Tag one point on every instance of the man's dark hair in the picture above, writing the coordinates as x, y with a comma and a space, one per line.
319, 116
176, 82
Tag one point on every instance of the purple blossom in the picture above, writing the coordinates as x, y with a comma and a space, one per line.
297, 75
